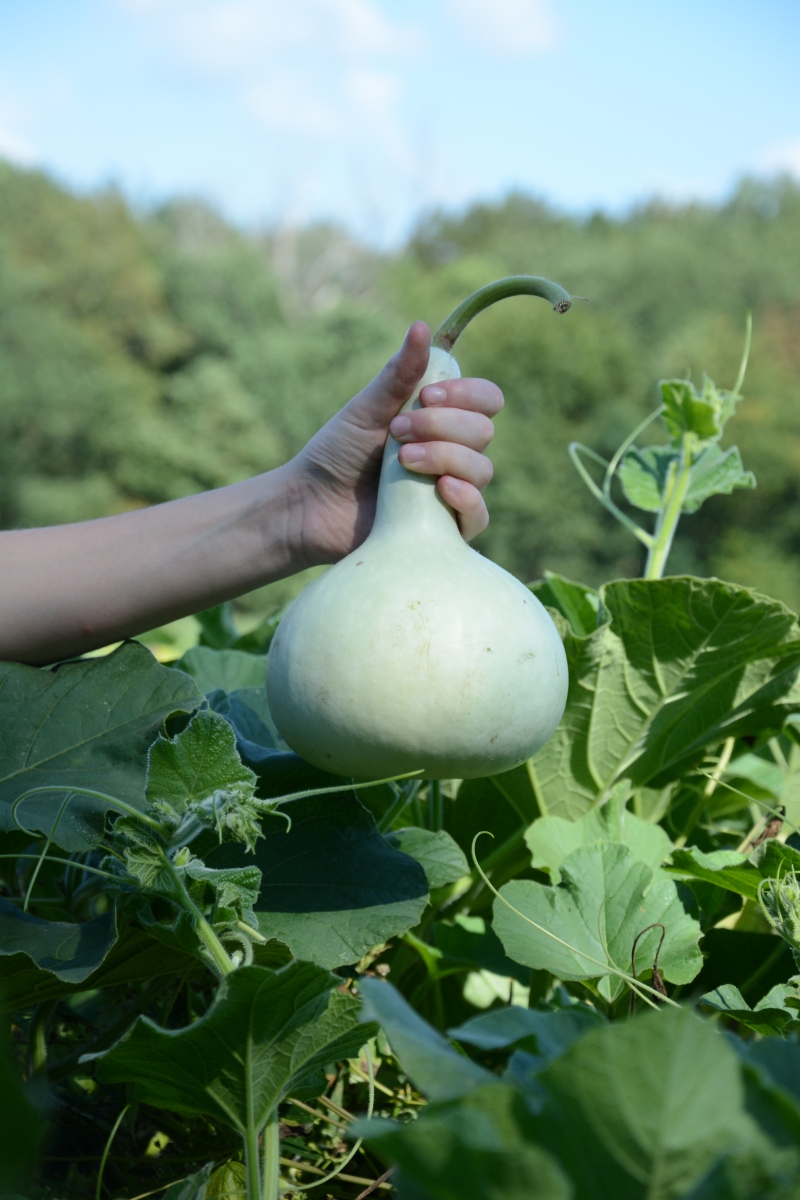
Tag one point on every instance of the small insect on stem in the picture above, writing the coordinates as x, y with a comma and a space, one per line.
658, 981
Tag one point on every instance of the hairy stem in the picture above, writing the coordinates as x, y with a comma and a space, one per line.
214, 946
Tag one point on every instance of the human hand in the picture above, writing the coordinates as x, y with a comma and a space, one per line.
335, 477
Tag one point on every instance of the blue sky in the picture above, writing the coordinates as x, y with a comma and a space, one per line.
373, 111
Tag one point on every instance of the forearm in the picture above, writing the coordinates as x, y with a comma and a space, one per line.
72, 588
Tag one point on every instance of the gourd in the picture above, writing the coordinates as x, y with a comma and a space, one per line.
415, 653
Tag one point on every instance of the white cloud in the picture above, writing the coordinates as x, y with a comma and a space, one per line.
285, 103
510, 28
782, 156
225, 37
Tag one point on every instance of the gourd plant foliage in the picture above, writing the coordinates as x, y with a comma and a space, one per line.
598, 1000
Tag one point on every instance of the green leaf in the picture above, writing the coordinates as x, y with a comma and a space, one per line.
225, 669
644, 474
683, 664
724, 868
605, 901
687, 412
771, 1016
777, 1062
548, 1035
437, 853
197, 780
88, 724
578, 604
643, 1109
234, 887
551, 839
716, 472
740, 873
199, 762
475, 1150
267, 1034
426, 1057
135, 958
332, 888
70, 952
248, 712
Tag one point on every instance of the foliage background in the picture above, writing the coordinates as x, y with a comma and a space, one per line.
147, 356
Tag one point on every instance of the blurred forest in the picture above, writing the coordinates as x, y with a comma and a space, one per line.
146, 357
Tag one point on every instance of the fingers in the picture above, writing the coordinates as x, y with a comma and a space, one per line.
447, 458
379, 401
468, 504
476, 395
471, 429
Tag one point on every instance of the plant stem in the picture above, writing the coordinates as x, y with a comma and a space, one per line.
252, 1165
453, 326
213, 944
670, 514
435, 805
38, 1035
272, 1154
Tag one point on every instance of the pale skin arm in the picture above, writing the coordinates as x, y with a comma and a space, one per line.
68, 589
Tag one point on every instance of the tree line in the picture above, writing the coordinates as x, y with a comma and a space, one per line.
147, 356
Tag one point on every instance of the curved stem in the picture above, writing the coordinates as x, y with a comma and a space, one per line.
602, 495
118, 805
104, 1159
745, 356
43, 854
626, 445
370, 1109
453, 326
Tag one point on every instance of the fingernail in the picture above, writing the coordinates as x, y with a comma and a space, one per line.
400, 426
412, 454
434, 394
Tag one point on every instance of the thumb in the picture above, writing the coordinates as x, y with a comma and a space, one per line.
382, 399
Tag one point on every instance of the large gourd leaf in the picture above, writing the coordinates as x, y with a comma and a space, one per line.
773, 1015
551, 839
440, 857
225, 669
547, 1035
69, 952
135, 958
682, 664
473, 1151
267, 1034
89, 724
642, 1110
606, 900
332, 887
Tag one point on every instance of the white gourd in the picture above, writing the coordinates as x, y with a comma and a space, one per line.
415, 652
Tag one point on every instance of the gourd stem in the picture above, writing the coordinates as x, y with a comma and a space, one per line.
675, 492
453, 326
